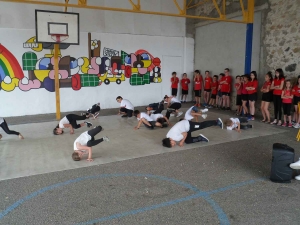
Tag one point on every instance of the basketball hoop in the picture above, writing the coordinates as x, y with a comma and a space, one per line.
59, 37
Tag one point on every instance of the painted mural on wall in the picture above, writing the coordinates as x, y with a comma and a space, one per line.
113, 66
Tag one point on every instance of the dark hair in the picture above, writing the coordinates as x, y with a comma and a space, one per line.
136, 112
166, 96
227, 69
216, 76
197, 71
222, 74
75, 156
206, 71
281, 74
270, 75
174, 73
287, 80
161, 120
54, 130
119, 97
166, 142
237, 76
184, 74
255, 75
246, 76
298, 80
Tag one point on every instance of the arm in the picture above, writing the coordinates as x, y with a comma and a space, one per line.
283, 95
168, 122
89, 149
272, 85
184, 134
238, 128
139, 124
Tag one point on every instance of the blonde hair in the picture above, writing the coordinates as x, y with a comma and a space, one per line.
75, 156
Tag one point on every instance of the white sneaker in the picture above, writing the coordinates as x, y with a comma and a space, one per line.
297, 177
179, 114
105, 139
220, 123
204, 116
203, 138
295, 165
297, 125
204, 110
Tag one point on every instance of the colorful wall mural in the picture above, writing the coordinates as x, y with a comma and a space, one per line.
113, 66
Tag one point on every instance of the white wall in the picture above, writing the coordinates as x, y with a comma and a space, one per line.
221, 45
160, 36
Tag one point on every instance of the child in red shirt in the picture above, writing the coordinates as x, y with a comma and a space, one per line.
266, 97
296, 100
185, 87
287, 99
214, 91
238, 88
226, 85
207, 87
174, 84
245, 93
252, 93
198, 80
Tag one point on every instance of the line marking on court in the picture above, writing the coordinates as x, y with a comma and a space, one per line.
205, 195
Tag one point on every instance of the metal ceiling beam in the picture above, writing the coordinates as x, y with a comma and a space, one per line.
136, 9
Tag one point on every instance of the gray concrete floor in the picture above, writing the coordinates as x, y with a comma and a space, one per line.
134, 180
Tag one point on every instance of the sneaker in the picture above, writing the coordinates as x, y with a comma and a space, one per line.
204, 116
279, 123
210, 106
201, 137
165, 125
204, 110
295, 165
105, 139
124, 116
82, 114
220, 123
96, 115
297, 177
171, 110
284, 124
102, 129
88, 124
297, 125
179, 114
274, 122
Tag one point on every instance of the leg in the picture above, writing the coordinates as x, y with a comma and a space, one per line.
266, 110
279, 108
262, 108
95, 131
7, 130
198, 126
245, 126
94, 142
129, 112
275, 107
243, 120
75, 117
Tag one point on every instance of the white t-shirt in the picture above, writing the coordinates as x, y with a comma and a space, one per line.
235, 122
146, 116
154, 117
1, 120
176, 131
82, 139
174, 100
127, 104
63, 121
188, 115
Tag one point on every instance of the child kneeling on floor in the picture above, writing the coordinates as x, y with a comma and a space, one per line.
235, 124
84, 143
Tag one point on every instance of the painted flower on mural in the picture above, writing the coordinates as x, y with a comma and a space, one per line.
94, 44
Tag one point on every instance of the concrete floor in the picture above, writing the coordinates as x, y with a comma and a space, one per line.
134, 180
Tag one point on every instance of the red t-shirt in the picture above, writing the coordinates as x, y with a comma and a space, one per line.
266, 84
185, 83
277, 82
226, 86
253, 84
238, 87
198, 83
287, 93
207, 83
244, 90
175, 83
214, 87
296, 91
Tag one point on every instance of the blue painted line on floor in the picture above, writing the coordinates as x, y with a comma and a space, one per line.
221, 215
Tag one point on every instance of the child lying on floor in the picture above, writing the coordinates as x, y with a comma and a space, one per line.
235, 124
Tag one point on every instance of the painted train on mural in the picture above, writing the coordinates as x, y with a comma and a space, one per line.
112, 66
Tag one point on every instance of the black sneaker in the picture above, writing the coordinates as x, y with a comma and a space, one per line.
165, 125
171, 110
201, 137
124, 116
220, 123
88, 124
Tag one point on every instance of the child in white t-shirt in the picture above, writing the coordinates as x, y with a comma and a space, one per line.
194, 112
126, 107
145, 119
84, 143
235, 124
161, 119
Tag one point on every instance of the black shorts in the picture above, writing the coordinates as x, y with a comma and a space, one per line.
213, 96
238, 100
219, 93
185, 92
127, 111
244, 97
252, 97
296, 100
174, 91
207, 90
152, 125
226, 93
197, 93
266, 97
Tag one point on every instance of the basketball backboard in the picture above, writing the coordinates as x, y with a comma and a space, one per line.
52, 24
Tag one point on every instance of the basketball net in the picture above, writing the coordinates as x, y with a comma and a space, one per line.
59, 37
